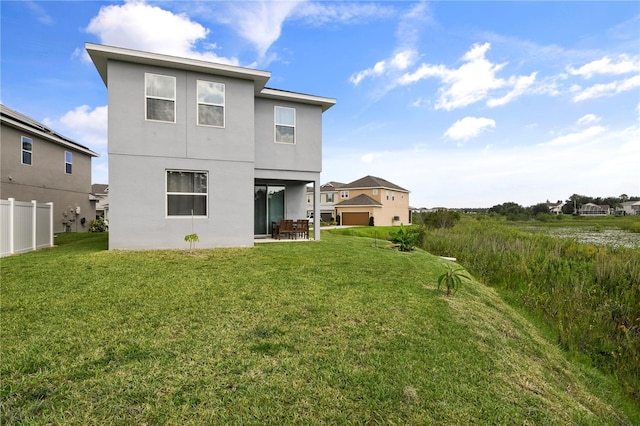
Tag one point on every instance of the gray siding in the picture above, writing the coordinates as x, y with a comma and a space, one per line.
45, 179
141, 151
305, 155
137, 204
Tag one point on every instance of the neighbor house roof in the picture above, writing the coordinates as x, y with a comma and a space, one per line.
101, 54
21, 121
360, 200
329, 186
373, 182
99, 188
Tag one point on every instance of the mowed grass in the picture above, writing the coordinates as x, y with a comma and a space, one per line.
345, 330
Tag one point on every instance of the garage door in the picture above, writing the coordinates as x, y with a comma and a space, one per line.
355, 218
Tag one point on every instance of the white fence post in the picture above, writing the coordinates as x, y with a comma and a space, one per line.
34, 224
50, 204
12, 206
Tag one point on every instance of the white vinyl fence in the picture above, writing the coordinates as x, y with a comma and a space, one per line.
25, 226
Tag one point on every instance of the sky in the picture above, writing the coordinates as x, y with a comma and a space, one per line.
465, 104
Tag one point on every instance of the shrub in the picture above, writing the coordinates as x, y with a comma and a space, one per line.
98, 225
406, 238
371, 221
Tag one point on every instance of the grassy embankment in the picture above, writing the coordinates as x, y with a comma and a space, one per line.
589, 295
344, 330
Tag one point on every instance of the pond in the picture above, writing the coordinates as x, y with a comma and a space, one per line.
604, 237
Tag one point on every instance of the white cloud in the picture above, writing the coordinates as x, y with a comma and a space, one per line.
608, 89
398, 62
588, 119
582, 138
469, 127
621, 65
41, 15
136, 25
86, 126
321, 13
260, 22
520, 86
480, 177
472, 81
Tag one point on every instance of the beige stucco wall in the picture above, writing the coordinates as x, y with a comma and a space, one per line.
394, 203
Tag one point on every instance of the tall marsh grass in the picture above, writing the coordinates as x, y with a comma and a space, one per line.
589, 295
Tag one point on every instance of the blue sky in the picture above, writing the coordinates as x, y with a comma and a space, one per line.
466, 104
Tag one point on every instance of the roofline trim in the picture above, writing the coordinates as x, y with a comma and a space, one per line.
270, 93
100, 54
50, 137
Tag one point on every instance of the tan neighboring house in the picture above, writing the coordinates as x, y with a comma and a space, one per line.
329, 197
39, 164
373, 197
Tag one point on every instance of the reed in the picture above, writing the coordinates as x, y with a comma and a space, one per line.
588, 295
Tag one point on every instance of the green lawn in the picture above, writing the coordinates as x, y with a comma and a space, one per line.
346, 330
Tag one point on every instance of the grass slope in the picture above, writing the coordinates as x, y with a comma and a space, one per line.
341, 331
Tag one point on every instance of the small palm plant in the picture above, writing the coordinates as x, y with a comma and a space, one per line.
452, 279
191, 239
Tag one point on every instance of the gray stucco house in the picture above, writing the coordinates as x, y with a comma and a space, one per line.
40, 164
197, 146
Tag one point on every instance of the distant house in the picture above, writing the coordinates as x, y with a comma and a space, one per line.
328, 200
590, 209
629, 208
373, 197
40, 164
101, 192
206, 148
555, 208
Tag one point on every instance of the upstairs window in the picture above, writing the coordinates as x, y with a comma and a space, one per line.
160, 93
375, 192
27, 150
186, 193
344, 194
285, 125
68, 162
210, 104
330, 197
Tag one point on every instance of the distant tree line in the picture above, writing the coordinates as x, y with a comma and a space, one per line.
514, 211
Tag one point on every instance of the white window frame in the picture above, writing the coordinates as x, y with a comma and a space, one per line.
224, 108
68, 162
146, 97
330, 197
344, 194
24, 139
374, 192
167, 193
276, 125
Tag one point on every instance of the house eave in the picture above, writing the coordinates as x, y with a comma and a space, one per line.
46, 134
101, 54
283, 95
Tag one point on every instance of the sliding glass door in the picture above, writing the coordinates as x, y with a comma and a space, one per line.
268, 207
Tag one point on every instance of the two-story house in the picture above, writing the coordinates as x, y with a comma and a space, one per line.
373, 197
201, 147
101, 192
328, 200
39, 164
